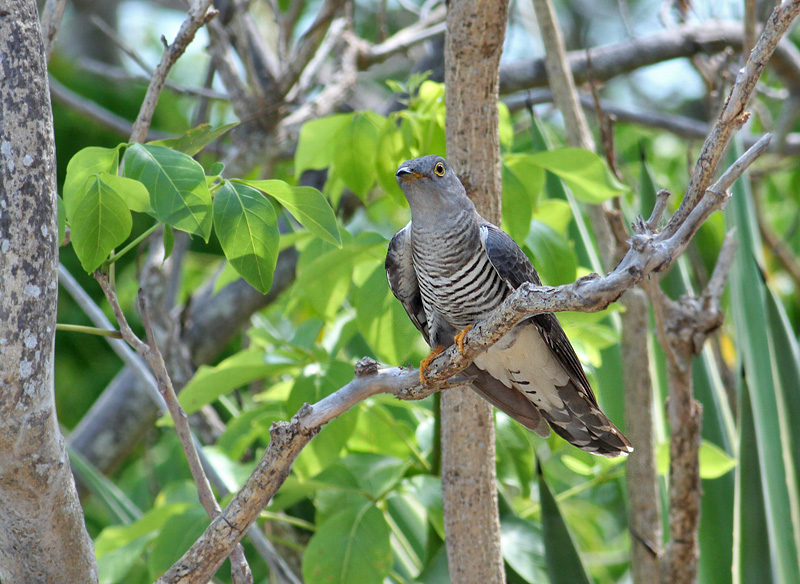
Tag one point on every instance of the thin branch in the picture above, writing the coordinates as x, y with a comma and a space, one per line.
154, 358
426, 28
99, 114
143, 372
308, 44
112, 34
199, 14
733, 114
52, 14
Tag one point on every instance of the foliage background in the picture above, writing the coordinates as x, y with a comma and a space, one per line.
363, 503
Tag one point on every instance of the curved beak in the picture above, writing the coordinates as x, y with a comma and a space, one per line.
405, 174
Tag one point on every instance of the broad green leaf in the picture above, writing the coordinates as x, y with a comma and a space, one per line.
307, 205
382, 319
714, 461
116, 536
317, 143
351, 546
177, 185
553, 258
554, 213
194, 140
376, 474
564, 564
523, 548
409, 525
583, 171
116, 565
247, 229
380, 432
519, 196
210, 382
88, 162
99, 219
354, 154
175, 537
514, 455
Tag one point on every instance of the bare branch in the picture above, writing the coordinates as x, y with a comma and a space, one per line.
733, 114
432, 25
711, 36
742, 163
199, 14
87, 107
52, 14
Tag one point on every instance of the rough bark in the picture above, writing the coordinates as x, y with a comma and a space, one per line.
42, 534
474, 42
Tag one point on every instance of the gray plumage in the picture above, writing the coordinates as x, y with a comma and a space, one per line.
450, 268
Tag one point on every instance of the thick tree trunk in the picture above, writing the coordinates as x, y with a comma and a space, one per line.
42, 534
475, 33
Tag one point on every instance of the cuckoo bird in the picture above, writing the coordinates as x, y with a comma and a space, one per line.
450, 268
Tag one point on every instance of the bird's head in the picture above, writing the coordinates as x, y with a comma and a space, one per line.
431, 186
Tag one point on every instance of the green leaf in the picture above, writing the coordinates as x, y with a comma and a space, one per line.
522, 183
554, 213
112, 497
382, 320
211, 382
351, 546
317, 143
564, 565
177, 185
307, 205
247, 229
583, 171
99, 219
758, 357
194, 140
175, 537
714, 461
354, 155
88, 162
523, 548
553, 257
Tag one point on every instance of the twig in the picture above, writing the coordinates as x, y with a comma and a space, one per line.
307, 46
111, 33
154, 358
87, 107
52, 14
199, 14
425, 28
141, 369
733, 114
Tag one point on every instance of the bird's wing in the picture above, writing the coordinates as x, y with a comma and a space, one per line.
537, 359
515, 268
403, 279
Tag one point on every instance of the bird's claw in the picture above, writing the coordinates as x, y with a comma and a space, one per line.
460, 339
423, 365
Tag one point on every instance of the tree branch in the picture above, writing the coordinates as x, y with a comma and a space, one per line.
199, 14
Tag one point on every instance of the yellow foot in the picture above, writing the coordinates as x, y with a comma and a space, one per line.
460, 339
423, 365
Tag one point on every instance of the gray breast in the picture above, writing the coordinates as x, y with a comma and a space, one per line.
456, 279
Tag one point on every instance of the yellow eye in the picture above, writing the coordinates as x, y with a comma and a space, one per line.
439, 169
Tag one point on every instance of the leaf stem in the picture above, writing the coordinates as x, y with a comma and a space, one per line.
88, 330
132, 244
